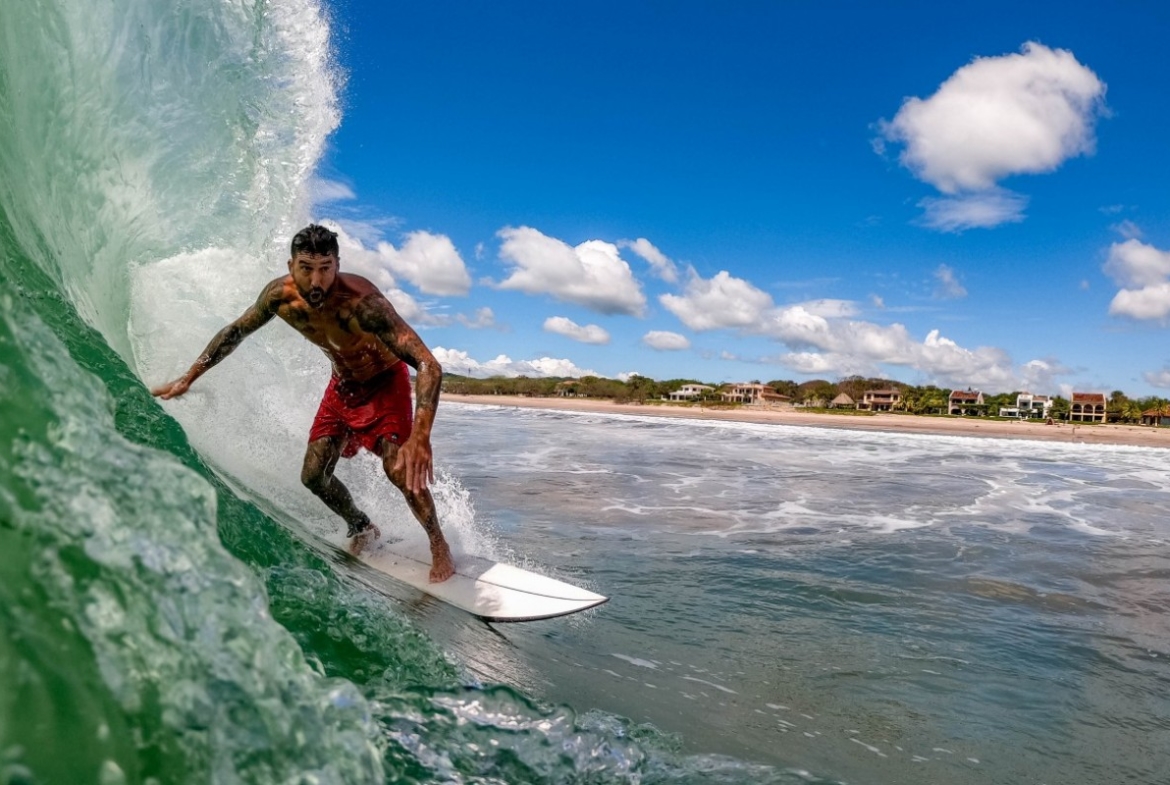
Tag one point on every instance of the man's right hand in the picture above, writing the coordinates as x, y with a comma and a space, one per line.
171, 389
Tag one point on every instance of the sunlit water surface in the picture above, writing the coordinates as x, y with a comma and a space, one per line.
871, 606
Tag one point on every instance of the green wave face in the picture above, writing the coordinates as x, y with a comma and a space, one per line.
135, 646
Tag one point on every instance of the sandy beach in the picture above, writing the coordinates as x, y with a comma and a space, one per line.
1132, 435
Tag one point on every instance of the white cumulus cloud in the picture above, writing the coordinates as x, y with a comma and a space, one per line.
725, 301
659, 262
825, 339
998, 116
1134, 264
1022, 113
592, 274
1150, 303
848, 348
589, 333
722, 301
430, 262
458, 361
1143, 273
666, 341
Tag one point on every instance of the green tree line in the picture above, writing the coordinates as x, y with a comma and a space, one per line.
923, 400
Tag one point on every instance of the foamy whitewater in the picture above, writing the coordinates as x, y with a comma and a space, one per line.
788, 604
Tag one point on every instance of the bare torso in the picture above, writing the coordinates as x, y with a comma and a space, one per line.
356, 353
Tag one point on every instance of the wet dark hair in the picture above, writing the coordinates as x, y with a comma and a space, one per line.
316, 240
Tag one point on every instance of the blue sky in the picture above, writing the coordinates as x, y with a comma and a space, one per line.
960, 194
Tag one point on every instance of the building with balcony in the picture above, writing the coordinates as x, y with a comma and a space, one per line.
966, 403
880, 400
1087, 407
1028, 406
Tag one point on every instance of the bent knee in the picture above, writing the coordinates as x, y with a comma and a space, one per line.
396, 476
314, 479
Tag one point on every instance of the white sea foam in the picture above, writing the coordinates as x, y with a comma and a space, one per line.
730, 479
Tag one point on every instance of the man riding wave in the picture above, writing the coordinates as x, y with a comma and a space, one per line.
367, 402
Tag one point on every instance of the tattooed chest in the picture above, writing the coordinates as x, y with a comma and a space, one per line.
332, 331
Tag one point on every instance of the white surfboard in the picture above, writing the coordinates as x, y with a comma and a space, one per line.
487, 589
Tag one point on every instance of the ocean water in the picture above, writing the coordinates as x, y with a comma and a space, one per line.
788, 604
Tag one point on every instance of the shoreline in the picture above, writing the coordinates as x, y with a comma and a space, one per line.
1073, 433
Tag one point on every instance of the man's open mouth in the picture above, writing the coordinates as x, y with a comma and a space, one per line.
316, 297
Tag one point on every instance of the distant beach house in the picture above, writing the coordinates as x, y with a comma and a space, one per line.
1087, 407
1159, 418
842, 401
880, 400
966, 403
752, 394
689, 392
568, 388
1027, 406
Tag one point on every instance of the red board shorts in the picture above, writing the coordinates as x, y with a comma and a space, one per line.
361, 413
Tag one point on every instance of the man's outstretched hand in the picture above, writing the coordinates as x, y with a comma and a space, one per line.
171, 389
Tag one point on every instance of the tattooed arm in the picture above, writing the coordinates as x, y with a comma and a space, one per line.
376, 315
226, 340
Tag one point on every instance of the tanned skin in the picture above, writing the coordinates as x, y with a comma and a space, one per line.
363, 336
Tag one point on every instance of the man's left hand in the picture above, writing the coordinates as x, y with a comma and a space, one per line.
415, 460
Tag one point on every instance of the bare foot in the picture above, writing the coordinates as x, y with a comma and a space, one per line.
362, 541
442, 565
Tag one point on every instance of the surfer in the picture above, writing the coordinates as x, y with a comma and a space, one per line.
367, 402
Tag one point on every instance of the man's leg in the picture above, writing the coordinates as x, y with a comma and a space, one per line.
423, 507
317, 475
